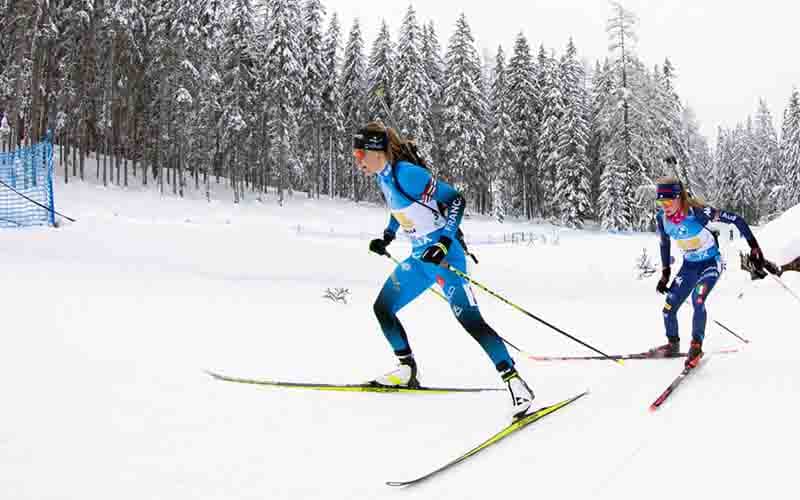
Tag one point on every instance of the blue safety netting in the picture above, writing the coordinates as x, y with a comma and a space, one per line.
26, 176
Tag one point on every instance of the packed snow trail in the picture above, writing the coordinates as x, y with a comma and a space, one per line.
108, 323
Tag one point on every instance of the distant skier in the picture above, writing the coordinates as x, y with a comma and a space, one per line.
429, 212
684, 219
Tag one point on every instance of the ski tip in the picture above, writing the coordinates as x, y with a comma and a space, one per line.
395, 483
213, 374
652, 408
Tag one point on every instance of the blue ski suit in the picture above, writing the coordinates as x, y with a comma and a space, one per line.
423, 222
701, 262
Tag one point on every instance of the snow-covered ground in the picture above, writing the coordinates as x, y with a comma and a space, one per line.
108, 324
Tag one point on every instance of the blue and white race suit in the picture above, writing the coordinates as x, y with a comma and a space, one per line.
423, 222
701, 262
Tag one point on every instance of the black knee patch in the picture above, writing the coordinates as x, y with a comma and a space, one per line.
382, 312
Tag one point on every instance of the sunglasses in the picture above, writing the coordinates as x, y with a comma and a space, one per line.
666, 202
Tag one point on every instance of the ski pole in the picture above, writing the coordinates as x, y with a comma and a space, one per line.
731, 331
786, 287
36, 202
439, 294
540, 320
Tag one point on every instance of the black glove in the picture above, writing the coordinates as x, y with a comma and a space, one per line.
662, 283
756, 255
378, 245
772, 268
436, 253
748, 263
759, 263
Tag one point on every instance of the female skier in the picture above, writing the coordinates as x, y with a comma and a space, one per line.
429, 211
684, 219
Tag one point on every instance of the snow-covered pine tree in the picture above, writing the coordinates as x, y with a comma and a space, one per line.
380, 79
622, 175
434, 69
412, 105
314, 72
668, 112
789, 192
175, 33
552, 110
353, 92
701, 160
746, 187
573, 179
766, 174
725, 171
599, 122
335, 138
464, 107
236, 102
523, 106
649, 143
650, 89
615, 194
500, 163
283, 86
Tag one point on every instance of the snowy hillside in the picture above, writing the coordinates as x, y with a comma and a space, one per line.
109, 323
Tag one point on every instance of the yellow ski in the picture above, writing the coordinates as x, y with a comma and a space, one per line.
366, 387
516, 425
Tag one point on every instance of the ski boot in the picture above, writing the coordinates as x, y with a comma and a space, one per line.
521, 395
695, 353
405, 375
669, 350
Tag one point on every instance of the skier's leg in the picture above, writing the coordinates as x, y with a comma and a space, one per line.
465, 308
705, 283
676, 295
405, 284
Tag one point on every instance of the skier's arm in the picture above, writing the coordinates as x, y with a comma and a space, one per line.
391, 230
664, 244
717, 215
455, 203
